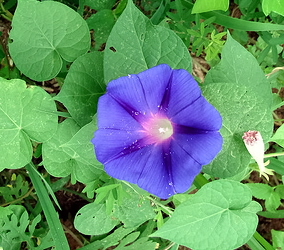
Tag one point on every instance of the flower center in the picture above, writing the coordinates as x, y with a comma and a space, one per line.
160, 128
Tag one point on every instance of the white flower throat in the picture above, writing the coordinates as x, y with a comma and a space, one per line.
160, 128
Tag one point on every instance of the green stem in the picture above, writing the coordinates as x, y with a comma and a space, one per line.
17, 200
279, 120
8, 15
158, 204
200, 181
274, 154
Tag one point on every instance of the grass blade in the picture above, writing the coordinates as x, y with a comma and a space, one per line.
51, 215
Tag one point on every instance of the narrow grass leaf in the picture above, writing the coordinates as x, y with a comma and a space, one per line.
51, 215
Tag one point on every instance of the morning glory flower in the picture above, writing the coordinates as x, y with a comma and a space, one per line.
156, 130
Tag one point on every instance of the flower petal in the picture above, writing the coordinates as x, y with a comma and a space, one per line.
184, 168
184, 90
144, 167
201, 147
155, 84
111, 143
112, 115
200, 114
142, 93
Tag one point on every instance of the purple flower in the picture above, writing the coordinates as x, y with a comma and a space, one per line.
156, 130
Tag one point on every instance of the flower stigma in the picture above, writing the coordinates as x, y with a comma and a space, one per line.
160, 128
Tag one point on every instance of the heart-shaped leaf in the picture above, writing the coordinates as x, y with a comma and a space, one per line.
45, 33
83, 85
221, 215
135, 44
25, 114
70, 151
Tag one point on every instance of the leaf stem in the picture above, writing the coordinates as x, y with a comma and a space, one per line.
8, 15
200, 181
18, 199
274, 154
169, 246
170, 212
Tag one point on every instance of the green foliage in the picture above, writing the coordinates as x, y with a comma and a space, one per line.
70, 151
101, 23
209, 5
135, 44
133, 210
93, 219
220, 215
141, 243
271, 195
82, 87
278, 137
99, 5
15, 189
15, 228
277, 239
239, 103
18, 107
50, 40
45, 32
275, 6
122, 204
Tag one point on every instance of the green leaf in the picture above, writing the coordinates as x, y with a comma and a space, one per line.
141, 243
278, 137
260, 190
267, 193
101, 23
83, 85
238, 89
280, 190
111, 240
209, 5
277, 239
220, 215
135, 44
52, 218
92, 219
272, 5
4, 211
278, 214
45, 33
16, 228
133, 211
13, 227
99, 5
55, 160
240, 24
272, 202
25, 114
70, 151
15, 190
240, 112
238, 66
276, 165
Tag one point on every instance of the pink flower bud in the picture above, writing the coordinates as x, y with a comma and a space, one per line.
254, 144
